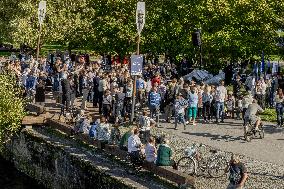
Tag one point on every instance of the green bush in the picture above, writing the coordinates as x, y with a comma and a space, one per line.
11, 107
269, 115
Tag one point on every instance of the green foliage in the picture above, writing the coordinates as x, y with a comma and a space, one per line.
269, 115
230, 29
11, 107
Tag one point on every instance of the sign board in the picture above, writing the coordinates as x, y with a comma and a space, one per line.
140, 16
41, 11
136, 65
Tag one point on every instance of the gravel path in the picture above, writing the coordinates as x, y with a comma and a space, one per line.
262, 175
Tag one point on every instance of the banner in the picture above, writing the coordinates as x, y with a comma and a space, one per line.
136, 65
140, 16
41, 11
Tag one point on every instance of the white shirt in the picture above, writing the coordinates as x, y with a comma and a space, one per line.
133, 143
221, 93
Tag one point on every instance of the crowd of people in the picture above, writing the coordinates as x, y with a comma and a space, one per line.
161, 89
108, 85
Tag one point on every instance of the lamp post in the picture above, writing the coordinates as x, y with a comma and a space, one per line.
140, 22
41, 16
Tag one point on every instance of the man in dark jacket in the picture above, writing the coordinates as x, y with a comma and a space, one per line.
119, 104
237, 86
66, 91
96, 82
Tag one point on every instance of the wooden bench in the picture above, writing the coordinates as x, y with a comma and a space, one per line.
35, 108
163, 171
33, 120
169, 173
116, 151
55, 124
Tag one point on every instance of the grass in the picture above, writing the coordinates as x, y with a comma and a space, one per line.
269, 115
5, 53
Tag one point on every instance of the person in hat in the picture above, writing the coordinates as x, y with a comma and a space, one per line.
237, 173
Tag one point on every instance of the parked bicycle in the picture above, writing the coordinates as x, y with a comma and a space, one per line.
195, 158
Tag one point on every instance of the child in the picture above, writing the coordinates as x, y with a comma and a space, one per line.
115, 135
192, 101
180, 106
230, 105
145, 126
150, 150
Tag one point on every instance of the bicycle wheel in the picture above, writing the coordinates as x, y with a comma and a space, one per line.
247, 137
216, 166
261, 133
187, 165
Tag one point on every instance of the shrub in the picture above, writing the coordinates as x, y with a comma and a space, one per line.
269, 115
11, 107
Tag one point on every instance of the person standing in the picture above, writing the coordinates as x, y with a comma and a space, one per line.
220, 97
237, 85
180, 107
279, 107
119, 105
237, 173
96, 81
206, 101
107, 104
40, 92
154, 104
192, 103
66, 91
102, 87
169, 102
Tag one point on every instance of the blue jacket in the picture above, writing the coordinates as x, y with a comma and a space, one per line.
92, 131
31, 82
154, 99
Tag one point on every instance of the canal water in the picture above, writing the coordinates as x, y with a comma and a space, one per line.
10, 178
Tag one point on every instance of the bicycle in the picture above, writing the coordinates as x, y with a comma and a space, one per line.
194, 159
250, 131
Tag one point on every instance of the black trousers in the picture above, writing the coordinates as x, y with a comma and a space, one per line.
207, 111
96, 98
101, 95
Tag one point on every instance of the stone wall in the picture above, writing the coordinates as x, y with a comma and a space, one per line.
59, 166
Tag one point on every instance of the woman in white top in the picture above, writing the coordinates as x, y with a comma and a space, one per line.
150, 150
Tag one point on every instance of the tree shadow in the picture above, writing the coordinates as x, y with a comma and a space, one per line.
270, 129
217, 137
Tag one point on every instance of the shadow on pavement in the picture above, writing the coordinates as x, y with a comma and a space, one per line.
217, 137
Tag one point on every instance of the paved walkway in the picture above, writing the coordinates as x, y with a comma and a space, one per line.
226, 136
